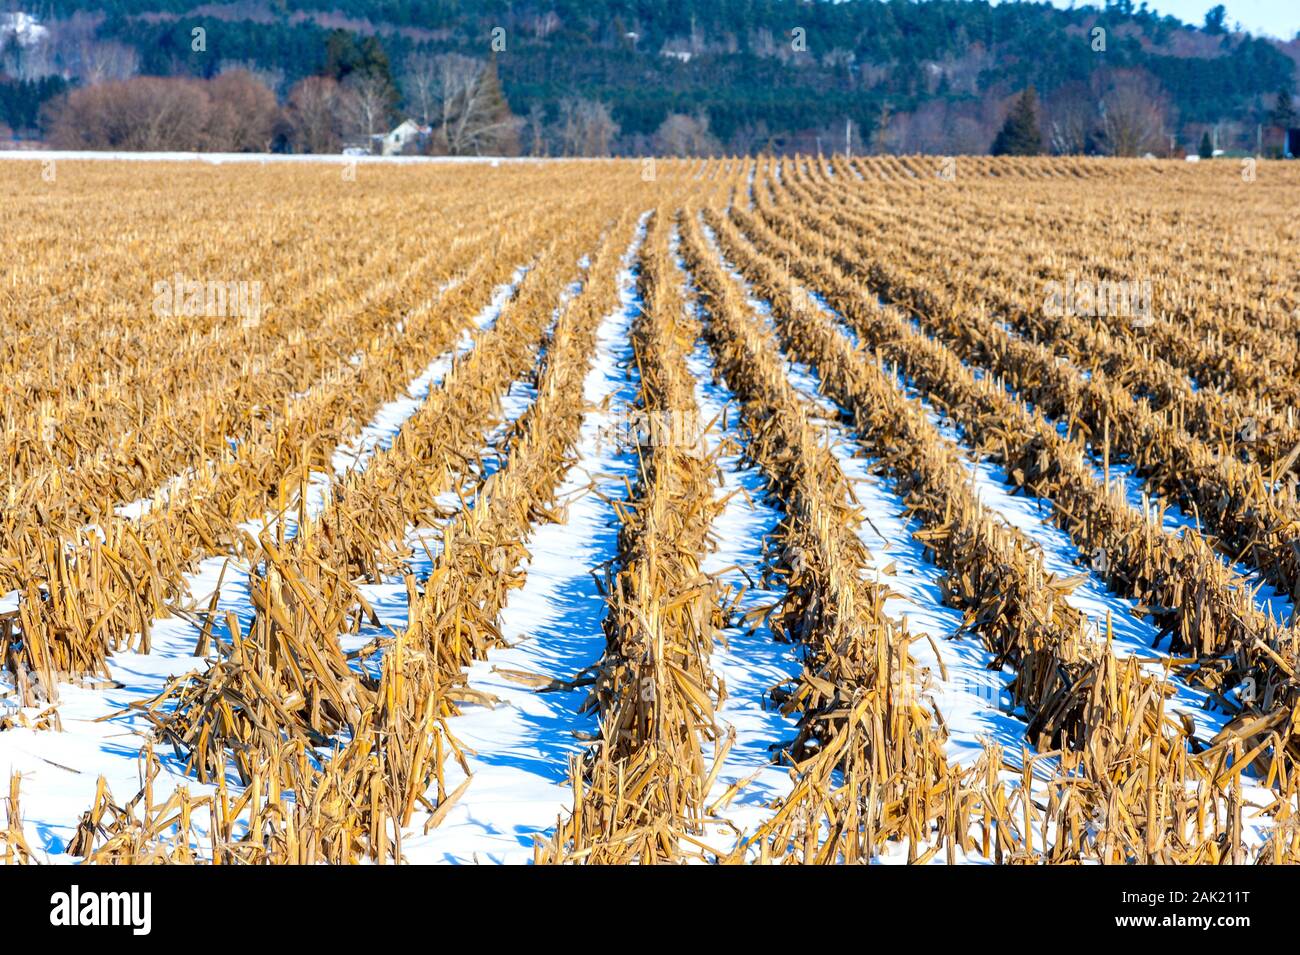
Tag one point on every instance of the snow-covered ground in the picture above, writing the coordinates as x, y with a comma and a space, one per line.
1132, 633
958, 674
747, 657
521, 747
60, 769
378, 434
1168, 515
978, 709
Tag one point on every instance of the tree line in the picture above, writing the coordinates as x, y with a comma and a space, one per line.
457, 101
1128, 120
591, 77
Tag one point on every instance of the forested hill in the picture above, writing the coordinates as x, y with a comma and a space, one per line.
934, 75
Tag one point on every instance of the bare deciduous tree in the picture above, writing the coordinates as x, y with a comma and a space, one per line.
29, 61
143, 113
243, 113
270, 77
586, 127
103, 60
318, 107
543, 25
366, 108
1071, 117
231, 113
473, 117
536, 125
882, 137
420, 85
682, 135
1133, 113
752, 138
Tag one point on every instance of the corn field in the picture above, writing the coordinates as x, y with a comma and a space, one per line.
800, 511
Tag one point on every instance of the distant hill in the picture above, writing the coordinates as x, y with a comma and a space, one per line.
934, 76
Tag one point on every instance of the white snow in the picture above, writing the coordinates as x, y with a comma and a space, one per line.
520, 748
1174, 520
748, 659
378, 434
1159, 511
971, 697
955, 666
1132, 636
60, 769
134, 510
518, 787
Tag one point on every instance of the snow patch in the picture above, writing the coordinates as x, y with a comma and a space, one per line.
554, 627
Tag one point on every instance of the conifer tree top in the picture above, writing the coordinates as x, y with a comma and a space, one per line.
1020, 135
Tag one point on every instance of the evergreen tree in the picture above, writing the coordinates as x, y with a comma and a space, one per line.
1283, 113
1206, 151
341, 55
618, 63
374, 60
502, 134
1020, 135
345, 57
361, 65
1214, 18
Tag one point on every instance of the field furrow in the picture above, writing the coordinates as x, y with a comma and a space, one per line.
708, 510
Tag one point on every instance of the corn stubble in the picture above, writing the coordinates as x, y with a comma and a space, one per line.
222, 431
640, 792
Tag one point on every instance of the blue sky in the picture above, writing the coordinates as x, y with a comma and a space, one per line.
1279, 18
